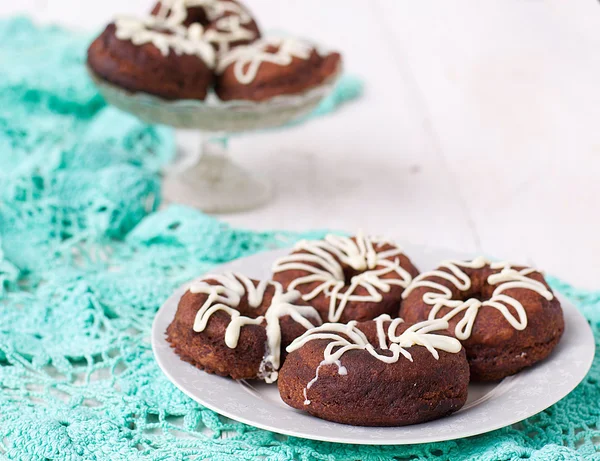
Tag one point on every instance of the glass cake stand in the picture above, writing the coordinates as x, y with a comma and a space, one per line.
213, 183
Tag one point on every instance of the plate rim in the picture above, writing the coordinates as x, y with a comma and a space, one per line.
176, 295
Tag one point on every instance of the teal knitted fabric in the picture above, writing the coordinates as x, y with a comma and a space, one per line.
86, 260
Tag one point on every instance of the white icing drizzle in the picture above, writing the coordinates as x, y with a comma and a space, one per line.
342, 371
247, 59
176, 10
179, 39
226, 296
344, 338
228, 30
322, 262
507, 278
228, 17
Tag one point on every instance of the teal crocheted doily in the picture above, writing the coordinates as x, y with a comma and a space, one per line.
86, 260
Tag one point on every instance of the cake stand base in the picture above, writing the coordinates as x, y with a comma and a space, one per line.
216, 185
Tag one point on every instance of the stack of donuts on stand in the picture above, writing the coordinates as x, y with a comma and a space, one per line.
188, 49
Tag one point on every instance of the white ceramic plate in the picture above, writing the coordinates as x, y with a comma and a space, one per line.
489, 407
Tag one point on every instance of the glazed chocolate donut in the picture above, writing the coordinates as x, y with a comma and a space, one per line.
273, 67
345, 279
146, 55
228, 23
506, 316
377, 373
233, 326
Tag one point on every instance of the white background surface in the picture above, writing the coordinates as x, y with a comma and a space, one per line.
479, 129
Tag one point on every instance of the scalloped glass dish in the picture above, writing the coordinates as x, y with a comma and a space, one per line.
490, 406
212, 114
213, 183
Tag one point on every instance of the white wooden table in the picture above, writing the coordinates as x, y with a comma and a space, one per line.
479, 129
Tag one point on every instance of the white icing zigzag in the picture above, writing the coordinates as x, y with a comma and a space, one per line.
228, 30
180, 39
176, 10
505, 279
228, 17
248, 59
344, 338
363, 255
226, 296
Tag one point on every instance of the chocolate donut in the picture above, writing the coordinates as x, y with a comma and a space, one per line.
151, 56
233, 326
506, 316
377, 373
345, 279
273, 67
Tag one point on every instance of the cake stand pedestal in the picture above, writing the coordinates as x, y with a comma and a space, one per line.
213, 183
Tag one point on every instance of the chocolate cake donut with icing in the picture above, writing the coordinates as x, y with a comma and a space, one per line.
233, 326
382, 372
148, 55
345, 278
228, 23
272, 67
506, 316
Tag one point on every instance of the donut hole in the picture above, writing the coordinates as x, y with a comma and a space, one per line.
244, 307
349, 273
248, 311
194, 14
384, 352
483, 291
479, 296
480, 289
197, 14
